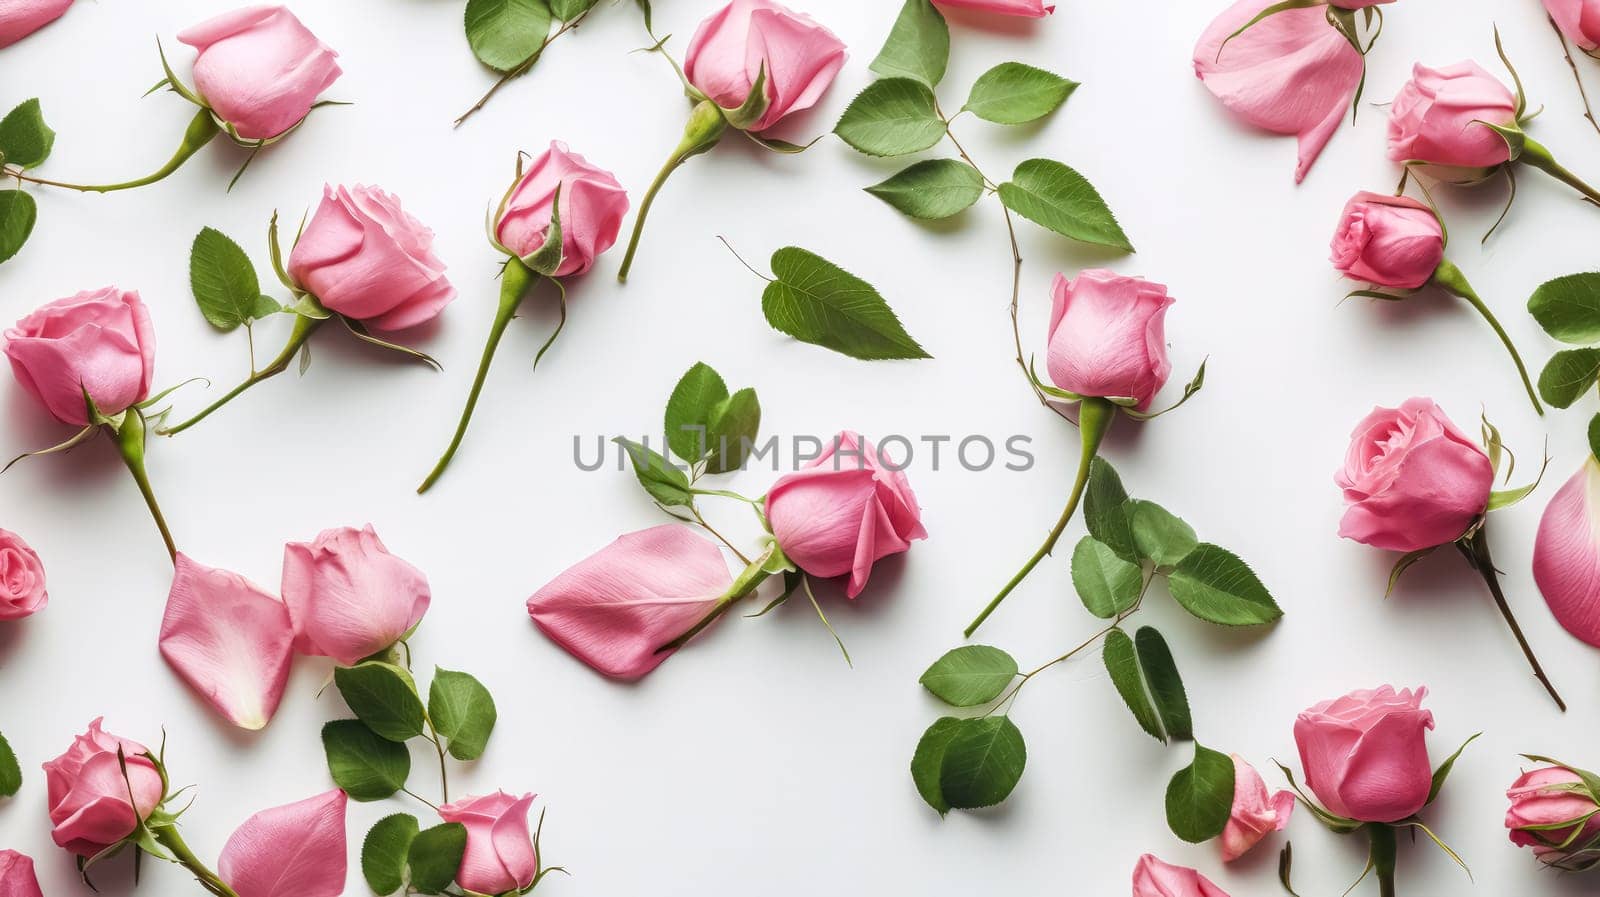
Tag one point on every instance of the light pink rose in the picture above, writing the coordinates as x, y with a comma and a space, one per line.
1031, 8
730, 48
365, 257
1108, 336
1566, 554
296, 850
230, 639
18, 19
90, 803
1553, 812
99, 341
1579, 20
1412, 479
348, 597
1366, 754
844, 511
259, 69
1290, 73
1388, 241
614, 609
17, 878
500, 857
1438, 117
592, 206
1255, 815
1154, 878
22, 590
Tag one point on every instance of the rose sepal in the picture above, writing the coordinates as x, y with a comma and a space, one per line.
754, 106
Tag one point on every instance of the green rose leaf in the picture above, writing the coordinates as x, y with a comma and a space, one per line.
665, 483
982, 763
929, 759
1012, 94
1200, 796
567, 10
384, 697
892, 117
1105, 509
970, 675
1122, 663
688, 416
18, 212
1106, 583
10, 772
932, 189
25, 140
365, 765
435, 855
731, 431
918, 46
1165, 685
506, 33
384, 852
224, 282
817, 302
1054, 196
1568, 375
462, 710
1160, 536
1568, 308
1214, 585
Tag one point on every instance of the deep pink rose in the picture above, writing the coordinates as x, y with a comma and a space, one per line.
17, 878
500, 857
1388, 241
365, 257
1579, 20
296, 850
615, 608
18, 19
844, 511
259, 69
1031, 8
1108, 336
1255, 815
1438, 117
21, 579
99, 341
1566, 554
730, 49
90, 804
1553, 812
592, 206
1366, 754
348, 597
1154, 878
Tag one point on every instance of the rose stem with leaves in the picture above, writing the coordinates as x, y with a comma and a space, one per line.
705, 128
1452, 280
304, 326
1476, 549
1566, 51
202, 128
523, 67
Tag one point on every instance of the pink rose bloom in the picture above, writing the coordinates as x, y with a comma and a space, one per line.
1256, 814
1412, 479
844, 511
1438, 117
297, 850
1566, 554
1290, 73
592, 206
500, 857
366, 258
615, 608
730, 49
1031, 8
1108, 336
1579, 20
1553, 812
17, 878
99, 341
259, 69
90, 804
1388, 241
1154, 878
18, 19
21, 579
1366, 754
348, 597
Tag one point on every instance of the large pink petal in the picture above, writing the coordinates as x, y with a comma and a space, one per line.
296, 850
20, 18
1566, 554
17, 878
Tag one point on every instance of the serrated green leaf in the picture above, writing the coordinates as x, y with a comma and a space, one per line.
567, 10
435, 856
982, 763
892, 117
1056, 197
1568, 375
1122, 663
366, 765
1568, 308
224, 282
384, 697
970, 675
504, 34
1200, 796
688, 415
1160, 536
1215, 585
665, 483
1106, 583
25, 140
932, 189
732, 430
817, 302
1105, 509
918, 46
463, 711
1164, 684
929, 758
18, 212
1012, 94
384, 851
10, 771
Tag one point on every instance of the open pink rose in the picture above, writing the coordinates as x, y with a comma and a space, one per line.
1154, 878
1366, 754
1579, 20
1108, 336
348, 597
99, 341
616, 608
500, 857
730, 49
1255, 815
1566, 554
92, 804
18, 19
1438, 117
296, 850
22, 591
1388, 241
259, 69
1030, 8
844, 511
1290, 73
593, 204
1553, 811
365, 257
1412, 479
17, 878
230, 639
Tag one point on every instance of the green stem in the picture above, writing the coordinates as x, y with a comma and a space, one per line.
706, 126
130, 439
1094, 419
304, 326
1451, 279
1383, 856
746, 583
202, 128
515, 283
1476, 549
169, 838
1536, 154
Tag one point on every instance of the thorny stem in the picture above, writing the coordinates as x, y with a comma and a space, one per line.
1566, 51
303, 328
1476, 549
695, 510
523, 67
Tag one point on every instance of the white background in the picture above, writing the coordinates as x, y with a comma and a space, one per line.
757, 761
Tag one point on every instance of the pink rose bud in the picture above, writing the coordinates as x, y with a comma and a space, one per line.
1388, 241
1554, 812
1439, 117
1255, 814
844, 511
1579, 21
17, 878
99, 341
92, 804
22, 591
731, 48
1290, 73
1365, 755
259, 69
1566, 554
348, 597
500, 857
296, 850
18, 19
616, 608
1412, 479
1108, 336
1031, 8
1154, 878
592, 206
366, 258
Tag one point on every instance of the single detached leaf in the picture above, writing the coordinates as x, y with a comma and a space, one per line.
1200, 796
970, 675
462, 710
1568, 375
817, 302
665, 483
1105, 509
435, 856
1161, 536
892, 117
688, 416
25, 140
224, 282
504, 34
1107, 584
1054, 196
1122, 662
929, 759
1165, 685
567, 10
1568, 308
982, 763
918, 46
384, 851
731, 431
1012, 94
382, 696
365, 765
1214, 585
932, 189
10, 772
18, 211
